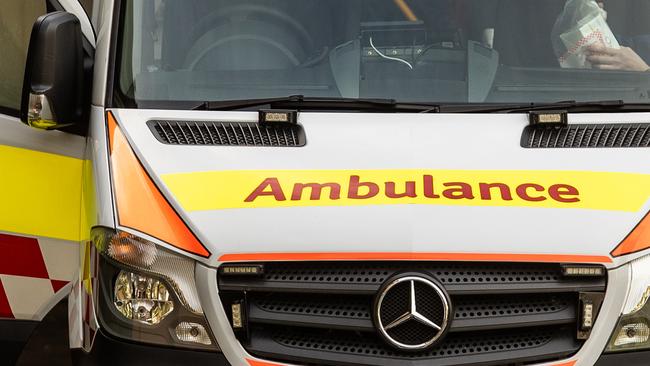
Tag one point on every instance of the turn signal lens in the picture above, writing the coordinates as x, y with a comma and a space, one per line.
632, 334
192, 333
132, 250
142, 298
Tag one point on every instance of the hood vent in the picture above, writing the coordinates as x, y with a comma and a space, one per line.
587, 135
227, 133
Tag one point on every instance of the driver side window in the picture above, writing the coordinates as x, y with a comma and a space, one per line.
16, 20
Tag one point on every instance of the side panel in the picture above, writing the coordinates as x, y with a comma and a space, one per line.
40, 191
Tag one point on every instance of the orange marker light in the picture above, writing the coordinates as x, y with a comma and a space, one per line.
140, 204
637, 240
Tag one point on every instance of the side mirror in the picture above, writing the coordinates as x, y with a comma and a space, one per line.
52, 96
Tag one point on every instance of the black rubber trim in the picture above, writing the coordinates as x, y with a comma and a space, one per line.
641, 358
110, 352
10, 111
114, 56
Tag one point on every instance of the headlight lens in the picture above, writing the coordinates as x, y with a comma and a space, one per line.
148, 293
633, 329
142, 298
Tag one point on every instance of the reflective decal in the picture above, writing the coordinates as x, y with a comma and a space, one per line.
40, 193
637, 240
31, 271
140, 205
290, 188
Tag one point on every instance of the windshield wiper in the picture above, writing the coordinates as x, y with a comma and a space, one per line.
301, 102
568, 106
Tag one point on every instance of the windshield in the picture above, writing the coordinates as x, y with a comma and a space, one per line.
434, 51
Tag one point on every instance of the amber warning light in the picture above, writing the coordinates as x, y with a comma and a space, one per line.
278, 117
548, 118
242, 270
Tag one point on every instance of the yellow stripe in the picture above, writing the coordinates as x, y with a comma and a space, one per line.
229, 189
40, 193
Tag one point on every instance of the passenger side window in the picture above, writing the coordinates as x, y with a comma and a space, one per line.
16, 20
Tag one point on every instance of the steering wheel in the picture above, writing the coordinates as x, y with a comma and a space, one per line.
259, 24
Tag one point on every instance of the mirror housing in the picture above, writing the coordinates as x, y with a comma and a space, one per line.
53, 87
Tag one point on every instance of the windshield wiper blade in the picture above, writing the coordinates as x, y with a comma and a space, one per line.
567, 105
301, 102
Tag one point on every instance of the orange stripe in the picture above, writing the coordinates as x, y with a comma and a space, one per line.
112, 126
252, 362
262, 363
570, 363
637, 240
471, 257
140, 205
406, 10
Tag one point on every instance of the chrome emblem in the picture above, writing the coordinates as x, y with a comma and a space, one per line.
412, 311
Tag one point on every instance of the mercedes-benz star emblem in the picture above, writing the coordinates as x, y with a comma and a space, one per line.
412, 311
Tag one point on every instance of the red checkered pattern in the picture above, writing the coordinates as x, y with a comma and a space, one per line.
589, 39
32, 271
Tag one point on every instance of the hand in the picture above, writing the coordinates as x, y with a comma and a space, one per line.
623, 58
601, 5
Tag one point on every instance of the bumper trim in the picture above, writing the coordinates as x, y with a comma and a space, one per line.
109, 351
640, 358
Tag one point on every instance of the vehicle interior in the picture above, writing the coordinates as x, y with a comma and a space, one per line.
429, 50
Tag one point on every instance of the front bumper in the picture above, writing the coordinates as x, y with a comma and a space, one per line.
110, 351
626, 359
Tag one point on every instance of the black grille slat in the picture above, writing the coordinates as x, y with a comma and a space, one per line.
354, 313
335, 348
227, 133
624, 135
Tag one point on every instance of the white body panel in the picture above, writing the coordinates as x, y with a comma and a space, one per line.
388, 141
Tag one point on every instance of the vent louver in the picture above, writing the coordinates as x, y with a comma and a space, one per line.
227, 133
625, 135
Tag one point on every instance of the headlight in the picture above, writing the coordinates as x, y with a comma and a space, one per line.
633, 329
142, 298
148, 293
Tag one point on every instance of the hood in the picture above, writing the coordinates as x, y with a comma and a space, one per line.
404, 186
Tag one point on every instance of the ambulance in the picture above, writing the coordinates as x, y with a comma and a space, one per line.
326, 182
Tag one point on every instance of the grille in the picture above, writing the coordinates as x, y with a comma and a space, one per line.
227, 133
334, 346
321, 312
587, 136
